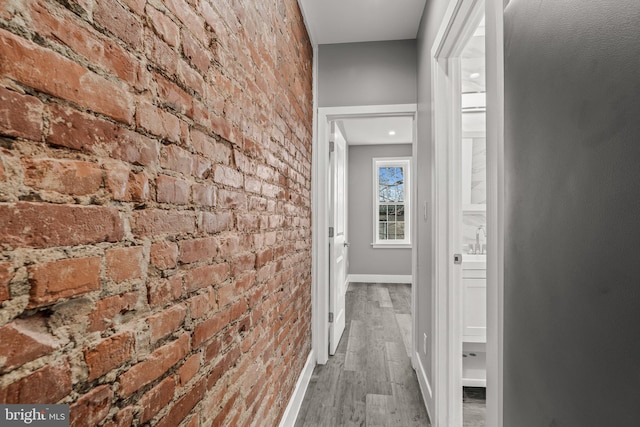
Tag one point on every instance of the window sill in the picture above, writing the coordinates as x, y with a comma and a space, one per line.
391, 245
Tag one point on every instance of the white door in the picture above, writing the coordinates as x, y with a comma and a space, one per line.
337, 238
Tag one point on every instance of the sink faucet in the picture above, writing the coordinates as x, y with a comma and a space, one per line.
480, 249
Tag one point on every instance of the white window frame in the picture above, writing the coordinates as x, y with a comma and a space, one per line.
405, 164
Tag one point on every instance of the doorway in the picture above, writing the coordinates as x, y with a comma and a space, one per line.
470, 316
321, 206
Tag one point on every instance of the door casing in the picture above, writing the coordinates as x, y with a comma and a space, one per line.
447, 319
320, 202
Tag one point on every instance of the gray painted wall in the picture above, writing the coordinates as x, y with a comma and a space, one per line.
572, 263
363, 259
371, 73
431, 18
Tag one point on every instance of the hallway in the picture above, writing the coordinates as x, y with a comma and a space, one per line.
369, 381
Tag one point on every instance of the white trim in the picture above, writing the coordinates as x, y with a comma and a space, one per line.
394, 245
320, 213
423, 382
456, 28
494, 39
295, 402
380, 278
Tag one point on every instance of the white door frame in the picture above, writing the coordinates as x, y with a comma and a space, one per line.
320, 193
447, 313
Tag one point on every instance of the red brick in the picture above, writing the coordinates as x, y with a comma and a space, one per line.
164, 291
192, 80
64, 176
216, 222
115, 18
20, 115
155, 365
198, 56
194, 421
164, 255
126, 185
253, 185
160, 53
46, 385
41, 225
201, 167
215, 151
6, 275
172, 190
198, 249
227, 176
242, 264
184, 405
189, 18
91, 408
72, 129
60, 26
157, 398
210, 327
109, 354
232, 245
124, 418
124, 263
54, 74
176, 159
24, 340
189, 369
231, 199
201, 305
264, 257
173, 96
158, 122
108, 311
166, 322
62, 279
154, 222
203, 194
136, 5
206, 275
164, 26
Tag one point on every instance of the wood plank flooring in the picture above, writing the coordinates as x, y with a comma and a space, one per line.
369, 381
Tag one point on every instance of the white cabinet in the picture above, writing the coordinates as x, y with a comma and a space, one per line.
474, 326
474, 306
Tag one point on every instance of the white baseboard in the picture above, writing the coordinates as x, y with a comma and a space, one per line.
425, 387
380, 278
293, 407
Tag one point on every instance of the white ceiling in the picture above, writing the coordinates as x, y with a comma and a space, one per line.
375, 130
346, 21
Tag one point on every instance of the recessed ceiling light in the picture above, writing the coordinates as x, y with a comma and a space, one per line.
474, 75
392, 132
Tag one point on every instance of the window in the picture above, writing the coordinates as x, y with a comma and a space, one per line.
391, 200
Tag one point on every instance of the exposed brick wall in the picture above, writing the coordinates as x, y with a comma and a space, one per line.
155, 163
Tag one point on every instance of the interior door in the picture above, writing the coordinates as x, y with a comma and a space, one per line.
338, 245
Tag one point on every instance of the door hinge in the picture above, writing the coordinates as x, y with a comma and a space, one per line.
330, 231
332, 147
330, 317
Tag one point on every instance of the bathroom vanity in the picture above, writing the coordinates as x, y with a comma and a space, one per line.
474, 330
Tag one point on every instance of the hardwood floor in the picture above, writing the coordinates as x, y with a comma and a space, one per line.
474, 406
369, 381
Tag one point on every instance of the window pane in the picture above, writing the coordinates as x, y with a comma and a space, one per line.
392, 230
382, 212
392, 212
400, 212
390, 184
400, 230
382, 233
